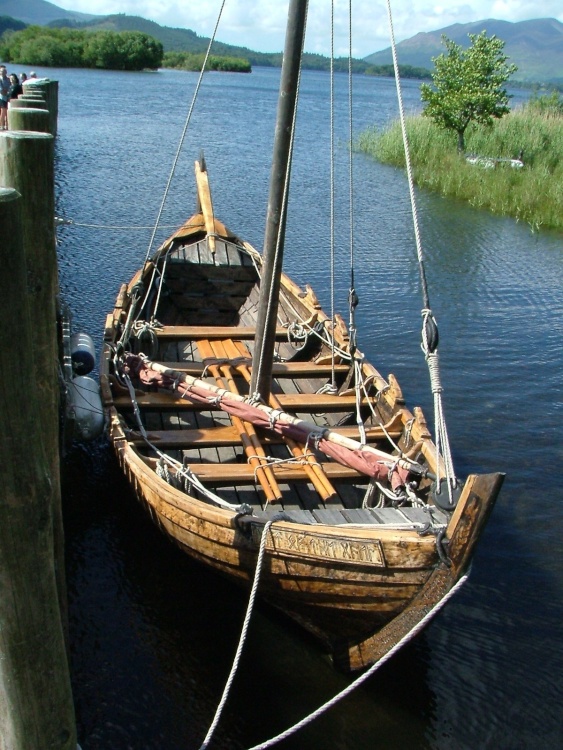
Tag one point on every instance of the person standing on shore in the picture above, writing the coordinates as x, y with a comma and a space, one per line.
4, 97
15, 87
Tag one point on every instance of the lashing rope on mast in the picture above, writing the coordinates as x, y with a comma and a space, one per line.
430, 335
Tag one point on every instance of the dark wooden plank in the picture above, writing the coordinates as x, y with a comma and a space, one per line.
301, 516
229, 302
388, 515
330, 517
359, 515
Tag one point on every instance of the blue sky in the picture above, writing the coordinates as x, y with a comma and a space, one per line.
260, 24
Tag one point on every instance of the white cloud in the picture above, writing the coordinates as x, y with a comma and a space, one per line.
260, 24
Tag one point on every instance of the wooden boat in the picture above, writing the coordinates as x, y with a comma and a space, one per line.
359, 540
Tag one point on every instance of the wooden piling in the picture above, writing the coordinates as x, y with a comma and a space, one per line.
29, 101
24, 101
27, 165
36, 707
28, 118
50, 92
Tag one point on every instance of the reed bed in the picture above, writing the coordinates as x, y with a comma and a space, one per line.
533, 194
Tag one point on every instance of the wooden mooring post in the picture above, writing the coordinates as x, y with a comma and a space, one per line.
49, 91
29, 118
36, 705
43, 95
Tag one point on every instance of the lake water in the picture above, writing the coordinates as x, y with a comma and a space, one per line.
152, 633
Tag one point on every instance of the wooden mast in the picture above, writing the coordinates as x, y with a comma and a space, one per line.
276, 217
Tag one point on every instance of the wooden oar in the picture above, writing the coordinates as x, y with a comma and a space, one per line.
328, 434
249, 438
314, 471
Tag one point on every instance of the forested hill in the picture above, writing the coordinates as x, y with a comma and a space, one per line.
536, 47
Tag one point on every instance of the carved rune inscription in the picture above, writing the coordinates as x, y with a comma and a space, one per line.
323, 547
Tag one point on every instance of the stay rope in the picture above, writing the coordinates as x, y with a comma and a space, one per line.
332, 203
429, 326
136, 309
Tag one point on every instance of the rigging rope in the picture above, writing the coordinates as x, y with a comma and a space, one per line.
165, 460
183, 135
332, 191
429, 326
353, 299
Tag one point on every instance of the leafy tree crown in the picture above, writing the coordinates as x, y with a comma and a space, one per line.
468, 84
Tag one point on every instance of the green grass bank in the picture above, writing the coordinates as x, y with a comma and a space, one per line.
533, 194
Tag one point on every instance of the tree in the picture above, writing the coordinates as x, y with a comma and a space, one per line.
64, 47
468, 85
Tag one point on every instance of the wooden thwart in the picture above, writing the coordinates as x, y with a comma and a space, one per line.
194, 333
244, 474
227, 436
303, 402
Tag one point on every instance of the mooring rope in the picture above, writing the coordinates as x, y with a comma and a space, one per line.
413, 632
243, 634
429, 325
71, 223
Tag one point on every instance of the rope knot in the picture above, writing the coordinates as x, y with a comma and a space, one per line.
273, 417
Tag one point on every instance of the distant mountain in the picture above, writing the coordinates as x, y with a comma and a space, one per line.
39, 12
536, 47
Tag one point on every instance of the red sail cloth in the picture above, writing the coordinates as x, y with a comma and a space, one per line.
364, 461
